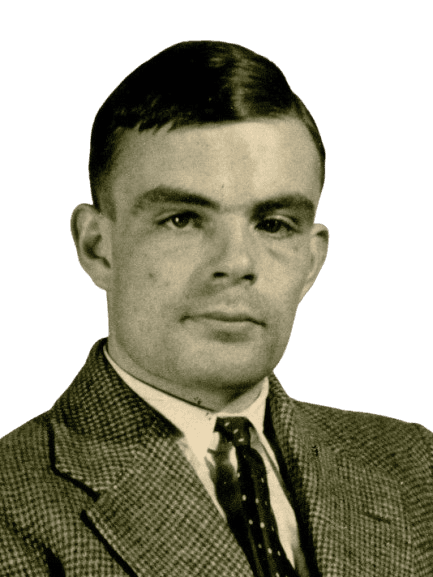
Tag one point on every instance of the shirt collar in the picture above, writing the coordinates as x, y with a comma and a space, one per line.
196, 423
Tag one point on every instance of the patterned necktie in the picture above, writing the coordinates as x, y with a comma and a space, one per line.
246, 502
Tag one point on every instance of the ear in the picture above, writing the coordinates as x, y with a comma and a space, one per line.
91, 231
319, 240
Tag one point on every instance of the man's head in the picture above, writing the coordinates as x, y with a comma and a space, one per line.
204, 234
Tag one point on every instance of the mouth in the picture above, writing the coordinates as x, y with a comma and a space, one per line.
230, 317
226, 325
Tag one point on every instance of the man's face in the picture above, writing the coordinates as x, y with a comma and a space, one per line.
210, 251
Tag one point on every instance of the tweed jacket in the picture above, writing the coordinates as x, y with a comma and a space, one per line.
98, 486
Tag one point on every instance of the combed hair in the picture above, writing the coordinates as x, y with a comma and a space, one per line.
191, 83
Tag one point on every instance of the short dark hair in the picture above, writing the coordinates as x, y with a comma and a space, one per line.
191, 83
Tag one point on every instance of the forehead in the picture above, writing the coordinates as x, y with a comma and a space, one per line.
228, 162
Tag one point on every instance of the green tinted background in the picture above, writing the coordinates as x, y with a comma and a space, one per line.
362, 339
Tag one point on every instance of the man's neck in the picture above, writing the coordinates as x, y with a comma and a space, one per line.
235, 398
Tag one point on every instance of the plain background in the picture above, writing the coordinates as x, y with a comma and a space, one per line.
362, 338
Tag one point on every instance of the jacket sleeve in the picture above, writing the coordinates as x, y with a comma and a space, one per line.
19, 559
427, 438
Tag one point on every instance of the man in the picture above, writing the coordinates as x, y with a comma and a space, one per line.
175, 451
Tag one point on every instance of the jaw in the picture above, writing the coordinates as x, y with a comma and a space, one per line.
209, 374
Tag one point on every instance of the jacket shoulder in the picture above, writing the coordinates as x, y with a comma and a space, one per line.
373, 439
24, 451
40, 510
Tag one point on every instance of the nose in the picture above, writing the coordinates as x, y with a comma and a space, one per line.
233, 255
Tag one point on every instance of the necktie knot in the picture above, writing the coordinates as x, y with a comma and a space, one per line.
234, 429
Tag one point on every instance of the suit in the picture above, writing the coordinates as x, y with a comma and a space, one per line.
97, 486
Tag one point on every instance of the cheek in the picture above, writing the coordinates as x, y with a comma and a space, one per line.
284, 289
287, 273
147, 280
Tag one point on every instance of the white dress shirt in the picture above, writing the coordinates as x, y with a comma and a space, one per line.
198, 440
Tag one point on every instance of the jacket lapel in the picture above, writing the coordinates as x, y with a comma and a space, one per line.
352, 515
160, 519
149, 506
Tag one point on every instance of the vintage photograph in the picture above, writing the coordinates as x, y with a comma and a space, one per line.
217, 290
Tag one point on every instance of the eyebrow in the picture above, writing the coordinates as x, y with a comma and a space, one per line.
175, 195
168, 194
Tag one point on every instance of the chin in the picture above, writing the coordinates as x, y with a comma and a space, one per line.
235, 373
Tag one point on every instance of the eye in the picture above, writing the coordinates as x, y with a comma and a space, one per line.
181, 220
275, 226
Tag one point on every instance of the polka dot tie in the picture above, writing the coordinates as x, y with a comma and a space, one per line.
245, 499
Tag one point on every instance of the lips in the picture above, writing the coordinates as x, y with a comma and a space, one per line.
229, 316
